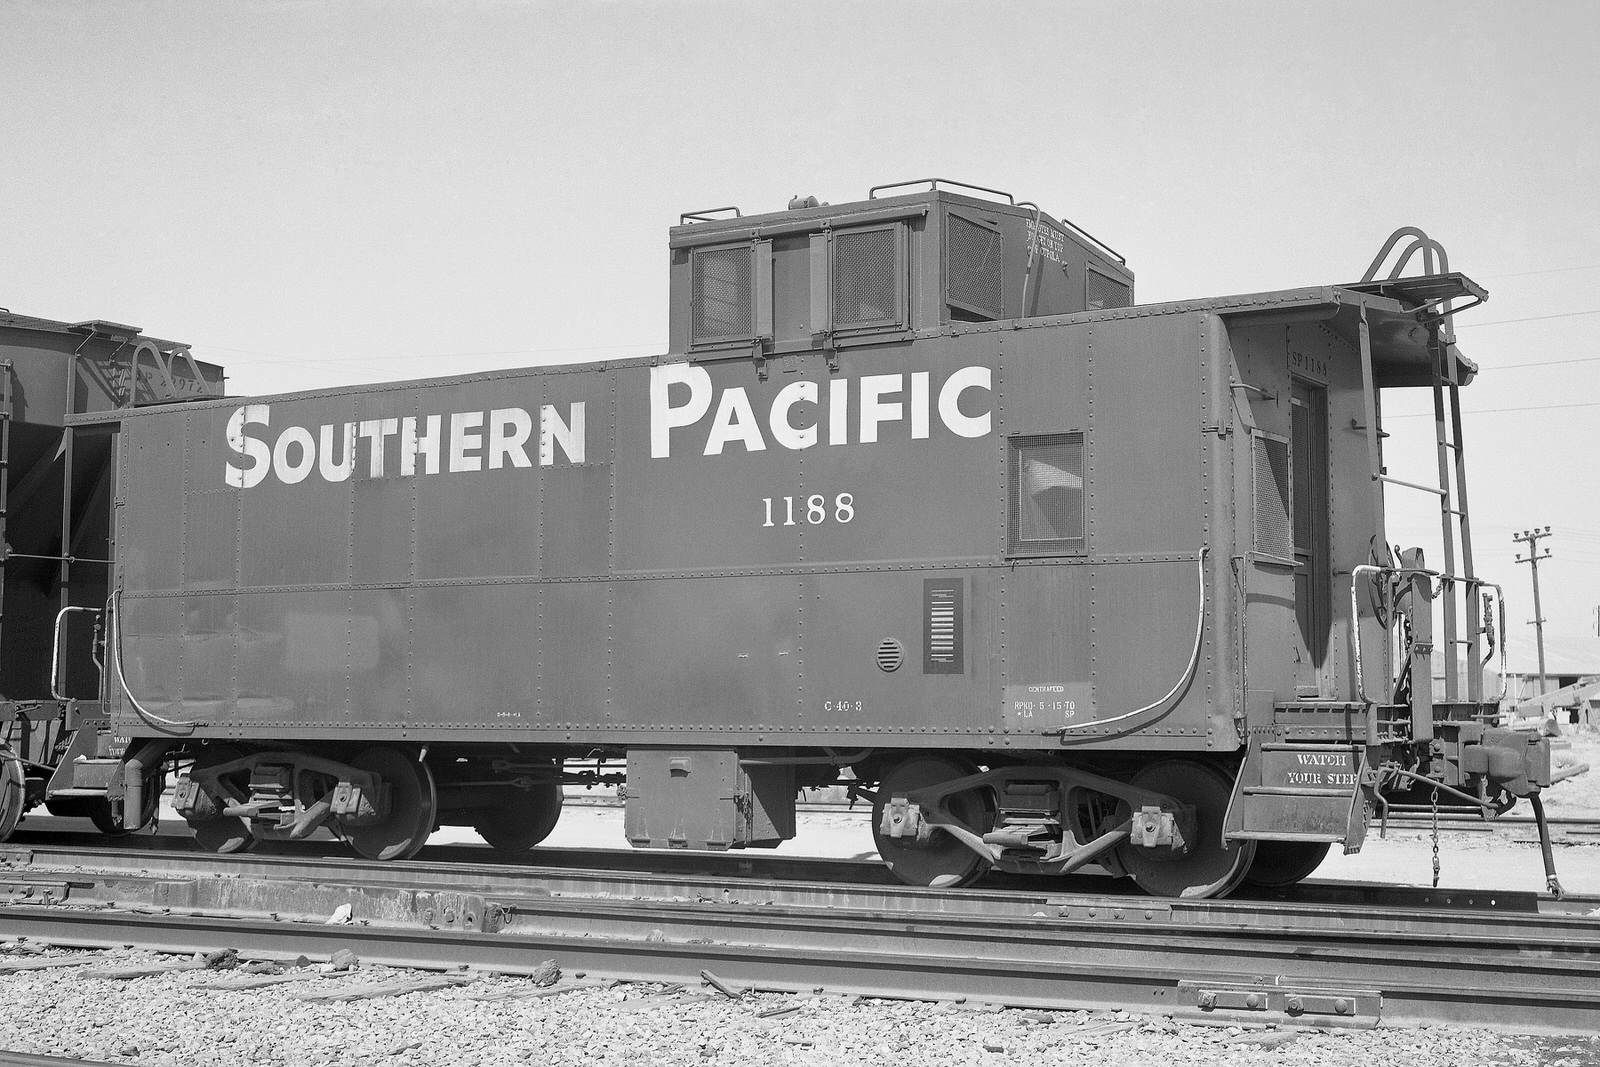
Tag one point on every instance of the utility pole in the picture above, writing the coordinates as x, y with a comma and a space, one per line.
1532, 539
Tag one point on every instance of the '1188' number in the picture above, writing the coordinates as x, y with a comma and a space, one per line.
813, 510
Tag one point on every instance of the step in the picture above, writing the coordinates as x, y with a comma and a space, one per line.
1298, 791
94, 774
1322, 770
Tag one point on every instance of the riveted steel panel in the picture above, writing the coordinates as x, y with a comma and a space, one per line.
290, 532
575, 531
208, 644
699, 505
477, 515
301, 667
715, 651
849, 614
150, 527
473, 656
575, 639
150, 638
383, 517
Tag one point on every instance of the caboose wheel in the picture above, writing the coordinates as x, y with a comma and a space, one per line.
110, 822
940, 861
1281, 863
1206, 868
13, 791
413, 806
222, 833
523, 819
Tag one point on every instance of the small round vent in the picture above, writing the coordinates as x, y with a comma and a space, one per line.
891, 654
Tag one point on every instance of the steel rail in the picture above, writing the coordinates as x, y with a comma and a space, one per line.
319, 875
758, 877
827, 952
1516, 971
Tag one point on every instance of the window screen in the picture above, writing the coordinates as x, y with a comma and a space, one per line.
723, 293
1101, 291
1047, 494
866, 278
972, 267
1274, 496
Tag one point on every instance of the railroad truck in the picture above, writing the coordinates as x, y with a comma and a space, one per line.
918, 501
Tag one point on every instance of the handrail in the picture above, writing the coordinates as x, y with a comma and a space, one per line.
55, 649
704, 214
1401, 572
872, 194
1427, 245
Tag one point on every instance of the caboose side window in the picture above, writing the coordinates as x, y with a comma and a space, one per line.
723, 293
1046, 495
869, 275
1101, 291
972, 269
1273, 493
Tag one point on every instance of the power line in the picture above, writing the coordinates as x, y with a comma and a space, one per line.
1497, 411
1530, 318
1552, 270
1545, 363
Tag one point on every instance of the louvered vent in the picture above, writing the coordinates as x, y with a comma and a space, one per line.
1101, 291
866, 278
942, 628
722, 294
1046, 498
972, 268
891, 655
1274, 533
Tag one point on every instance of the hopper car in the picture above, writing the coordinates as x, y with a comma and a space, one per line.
918, 500
56, 505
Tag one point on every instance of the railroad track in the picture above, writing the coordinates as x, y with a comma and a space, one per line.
1520, 962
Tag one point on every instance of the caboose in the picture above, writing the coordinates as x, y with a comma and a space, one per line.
918, 499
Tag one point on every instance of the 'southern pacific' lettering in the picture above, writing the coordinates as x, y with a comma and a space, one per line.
403, 447
681, 396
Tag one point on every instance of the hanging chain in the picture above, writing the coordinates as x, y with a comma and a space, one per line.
1436, 837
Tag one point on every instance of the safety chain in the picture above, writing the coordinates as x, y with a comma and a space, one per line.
1436, 837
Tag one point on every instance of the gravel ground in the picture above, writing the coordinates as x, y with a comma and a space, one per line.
168, 1019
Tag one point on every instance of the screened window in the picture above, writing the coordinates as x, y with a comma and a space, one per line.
1274, 498
1102, 292
724, 292
869, 278
1047, 508
973, 267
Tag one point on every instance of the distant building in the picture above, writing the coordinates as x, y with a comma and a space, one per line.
1568, 660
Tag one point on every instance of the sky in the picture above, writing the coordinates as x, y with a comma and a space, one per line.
319, 193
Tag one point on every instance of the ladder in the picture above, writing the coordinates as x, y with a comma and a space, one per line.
1433, 295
